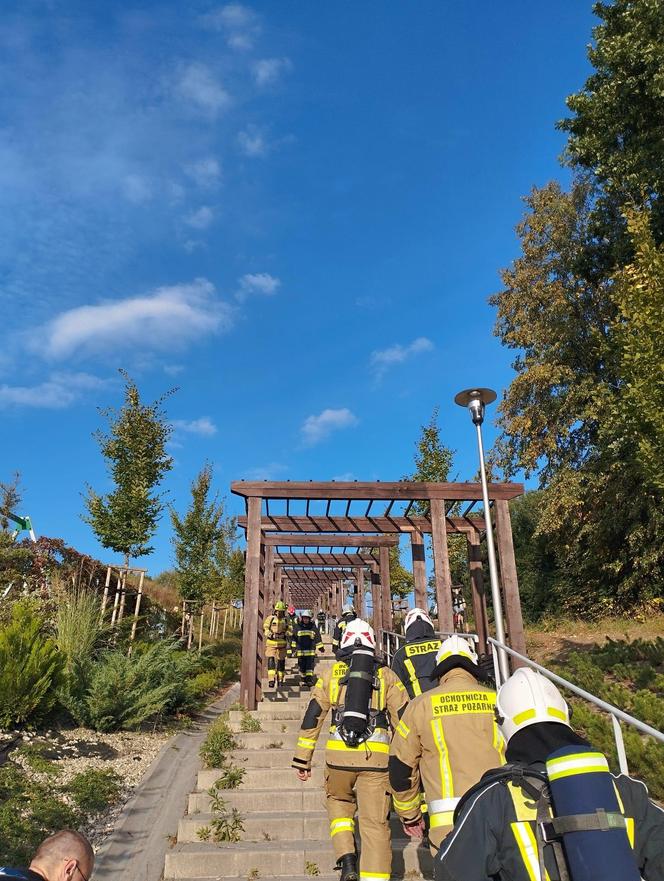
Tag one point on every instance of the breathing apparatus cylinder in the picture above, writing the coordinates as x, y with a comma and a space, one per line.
583, 795
354, 724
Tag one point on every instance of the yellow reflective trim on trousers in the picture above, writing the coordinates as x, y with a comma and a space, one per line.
342, 824
375, 876
412, 675
525, 839
406, 805
371, 745
444, 818
443, 757
306, 743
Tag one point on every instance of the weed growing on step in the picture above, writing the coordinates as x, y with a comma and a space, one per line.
275, 744
231, 777
253, 875
311, 869
219, 741
203, 833
250, 723
284, 728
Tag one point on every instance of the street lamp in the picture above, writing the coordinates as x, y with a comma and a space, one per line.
476, 399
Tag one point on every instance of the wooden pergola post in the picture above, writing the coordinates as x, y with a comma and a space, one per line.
249, 670
419, 569
359, 592
477, 584
513, 616
441, 562
385, 587
377, 603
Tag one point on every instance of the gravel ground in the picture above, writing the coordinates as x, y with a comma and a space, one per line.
74, 750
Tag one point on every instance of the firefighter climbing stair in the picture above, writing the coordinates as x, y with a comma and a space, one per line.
286, 829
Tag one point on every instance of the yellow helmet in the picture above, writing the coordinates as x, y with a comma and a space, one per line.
280, 606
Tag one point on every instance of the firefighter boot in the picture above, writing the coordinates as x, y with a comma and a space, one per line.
348, 865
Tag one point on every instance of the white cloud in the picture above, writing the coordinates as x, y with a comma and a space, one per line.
268, 70
201, 218
203, 426
205, 172
59, 391
257, 283
239, 24
173, 369
252, 141
198, 86
383, 359
271, 471
317, 428
165, 319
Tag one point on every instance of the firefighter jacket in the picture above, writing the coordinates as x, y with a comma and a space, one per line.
494, 836
305, 640
387, 703
339, 628
277, 631
414, 663
446, 739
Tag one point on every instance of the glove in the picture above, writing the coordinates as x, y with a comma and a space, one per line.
414, 828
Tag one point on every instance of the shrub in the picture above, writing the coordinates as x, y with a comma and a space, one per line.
219, 741
79, 632
94, 790
250, 723
126, 692
30, 667
203, 683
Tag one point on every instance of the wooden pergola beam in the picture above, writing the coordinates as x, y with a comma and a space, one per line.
330, 561
380, 525
365, 491
295, 540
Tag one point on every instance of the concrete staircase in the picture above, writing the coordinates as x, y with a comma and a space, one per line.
286, 830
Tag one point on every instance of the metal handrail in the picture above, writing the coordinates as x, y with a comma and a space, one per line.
616, 714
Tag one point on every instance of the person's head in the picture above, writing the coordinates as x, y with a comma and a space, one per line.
456, 652
348, 612
528, 698
306, 616
417, 623
357, 634
64, 856
280, 609
291, 611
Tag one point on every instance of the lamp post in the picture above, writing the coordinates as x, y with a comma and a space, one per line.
476, 399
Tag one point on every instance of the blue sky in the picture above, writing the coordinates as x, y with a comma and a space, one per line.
295, 212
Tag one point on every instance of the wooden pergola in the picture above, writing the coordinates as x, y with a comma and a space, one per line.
305, 538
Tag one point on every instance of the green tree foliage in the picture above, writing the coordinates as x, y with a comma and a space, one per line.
617, 128
14, 555
401, 579
30, 667
135, 450
202, 542
433, 460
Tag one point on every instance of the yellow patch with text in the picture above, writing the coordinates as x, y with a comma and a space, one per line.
461, 702
422, 648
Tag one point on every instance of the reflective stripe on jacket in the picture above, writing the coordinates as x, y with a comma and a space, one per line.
277, 631
305, 640
446, 739
495, 835
388, 700
414, 663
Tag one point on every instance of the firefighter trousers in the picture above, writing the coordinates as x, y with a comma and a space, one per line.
276, 661
366, 792
306, 664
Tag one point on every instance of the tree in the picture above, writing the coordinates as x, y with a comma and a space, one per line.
126, 519
433, 460
15, 557
617, 129
199, 541
10, 499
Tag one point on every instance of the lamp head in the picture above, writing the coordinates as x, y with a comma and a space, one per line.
476, 400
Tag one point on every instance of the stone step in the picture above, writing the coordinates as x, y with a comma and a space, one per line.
262, 740
268, 757
271, 859
275, 826
292, 798
271, 726
266, 711
266, 778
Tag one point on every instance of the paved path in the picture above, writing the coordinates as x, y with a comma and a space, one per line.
147, 826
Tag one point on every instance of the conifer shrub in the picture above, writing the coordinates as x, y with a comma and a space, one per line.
30, 667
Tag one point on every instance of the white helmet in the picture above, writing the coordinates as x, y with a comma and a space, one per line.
358, 629
528, 697
348, 609
413, 615
306, 613
456, 645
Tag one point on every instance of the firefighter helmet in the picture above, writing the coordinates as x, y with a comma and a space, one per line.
413, 616
279, 606
348, 609
358, 630
528, 697
456, 645
306, 613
